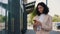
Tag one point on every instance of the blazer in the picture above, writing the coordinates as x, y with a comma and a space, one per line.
46, 26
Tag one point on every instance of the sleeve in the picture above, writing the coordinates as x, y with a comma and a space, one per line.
48, 26
34, 25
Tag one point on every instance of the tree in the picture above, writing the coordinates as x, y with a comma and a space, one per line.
32, 15
56, 18
2, 18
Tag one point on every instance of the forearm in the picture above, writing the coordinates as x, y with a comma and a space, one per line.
46, 27
49, 25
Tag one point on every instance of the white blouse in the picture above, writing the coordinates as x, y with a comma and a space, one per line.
41, 19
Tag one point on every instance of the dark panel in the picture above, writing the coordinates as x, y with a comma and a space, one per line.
14, 13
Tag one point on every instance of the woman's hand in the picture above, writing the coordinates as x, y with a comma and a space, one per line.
37, 22
35, 26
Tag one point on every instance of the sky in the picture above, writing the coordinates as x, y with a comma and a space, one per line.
54, 6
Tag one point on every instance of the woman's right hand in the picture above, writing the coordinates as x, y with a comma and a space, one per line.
35, 25
36, 22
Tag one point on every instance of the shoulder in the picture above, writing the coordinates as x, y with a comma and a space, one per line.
50, 17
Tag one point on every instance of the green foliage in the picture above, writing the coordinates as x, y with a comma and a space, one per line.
32, 16
56, 18
2, 18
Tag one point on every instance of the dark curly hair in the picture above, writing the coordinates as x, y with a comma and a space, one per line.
45, 11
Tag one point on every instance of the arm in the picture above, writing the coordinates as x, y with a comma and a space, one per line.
48, 26
35, 23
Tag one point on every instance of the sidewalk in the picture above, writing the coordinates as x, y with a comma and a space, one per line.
31, 31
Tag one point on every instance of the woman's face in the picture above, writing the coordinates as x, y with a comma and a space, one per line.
40, 8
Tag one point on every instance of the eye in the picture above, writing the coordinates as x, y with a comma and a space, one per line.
40, 7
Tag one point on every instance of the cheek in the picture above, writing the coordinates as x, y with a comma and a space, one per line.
40, 9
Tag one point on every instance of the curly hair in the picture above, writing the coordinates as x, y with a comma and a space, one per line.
45, 11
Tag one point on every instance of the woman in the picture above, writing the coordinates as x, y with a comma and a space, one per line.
42, 19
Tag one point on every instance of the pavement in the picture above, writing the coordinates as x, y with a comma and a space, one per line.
32, 32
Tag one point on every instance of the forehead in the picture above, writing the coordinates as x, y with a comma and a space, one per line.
40, 6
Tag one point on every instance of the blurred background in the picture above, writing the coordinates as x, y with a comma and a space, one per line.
16, 16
